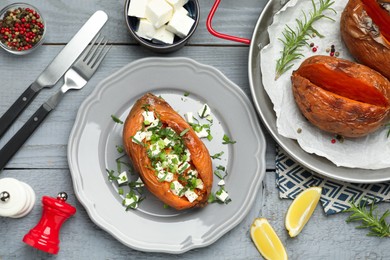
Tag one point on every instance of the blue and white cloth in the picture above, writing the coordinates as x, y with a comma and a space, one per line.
291, 179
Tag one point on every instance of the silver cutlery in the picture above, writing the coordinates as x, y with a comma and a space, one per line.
56, 69
75, 78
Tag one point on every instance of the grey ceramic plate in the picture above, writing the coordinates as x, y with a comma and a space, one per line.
265, 109
91, 150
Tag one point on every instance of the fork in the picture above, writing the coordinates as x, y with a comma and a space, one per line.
75, 78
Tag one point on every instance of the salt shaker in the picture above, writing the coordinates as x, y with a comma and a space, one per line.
16, 198
45, 235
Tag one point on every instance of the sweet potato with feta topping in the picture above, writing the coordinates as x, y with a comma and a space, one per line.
340, 96
159, 149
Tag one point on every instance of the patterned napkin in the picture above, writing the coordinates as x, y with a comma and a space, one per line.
291, 179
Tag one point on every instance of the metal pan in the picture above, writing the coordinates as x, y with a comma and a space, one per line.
265, 110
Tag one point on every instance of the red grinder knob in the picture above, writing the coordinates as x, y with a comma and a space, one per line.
45, 235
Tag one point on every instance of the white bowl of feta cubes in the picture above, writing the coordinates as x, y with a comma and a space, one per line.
162, 25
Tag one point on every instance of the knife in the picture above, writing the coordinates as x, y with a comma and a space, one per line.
56, 69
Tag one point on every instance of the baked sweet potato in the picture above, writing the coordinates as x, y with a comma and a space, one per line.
365, 30
172, 161
340, 96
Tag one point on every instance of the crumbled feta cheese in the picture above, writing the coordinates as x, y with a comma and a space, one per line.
199, 184
148, 135
148, 117
180, 24
122, 178
183, 167
204, 111
190, 195
222, 195
139, 136
154, 149
202, 134
221, 183
145, 29
133, 200
159, 167
188, 153
176, 187
189, 117
163, 35
159, 12
137, 8
166, 141
165, 176
193, 173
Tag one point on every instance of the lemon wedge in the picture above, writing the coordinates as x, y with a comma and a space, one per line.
266, 240
301, 210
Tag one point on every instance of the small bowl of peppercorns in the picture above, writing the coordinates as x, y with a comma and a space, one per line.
22, 28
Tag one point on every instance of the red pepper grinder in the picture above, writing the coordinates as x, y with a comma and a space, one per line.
45, 235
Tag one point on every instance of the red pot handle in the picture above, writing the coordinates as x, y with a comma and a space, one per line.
221, 35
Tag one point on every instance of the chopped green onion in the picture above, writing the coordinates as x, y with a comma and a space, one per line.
116, 119
218, 174
119, 149
186, 94
137, 142
226, 140
184, 132
217, 155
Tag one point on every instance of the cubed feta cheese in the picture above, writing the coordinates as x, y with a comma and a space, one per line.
221, 183
159, 12
139, 136
222, 195
189, 117
132, 202
202, 134
137, 8
190, 195
180, 24
177, 4
145, 29
183, 10
163, 35
148, 117
122, 178
139, 182
204, 111
176, 187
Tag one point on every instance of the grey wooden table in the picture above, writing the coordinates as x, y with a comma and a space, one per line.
42, 161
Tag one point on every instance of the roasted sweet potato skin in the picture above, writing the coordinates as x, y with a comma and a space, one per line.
340, 96
369, 47
200, 157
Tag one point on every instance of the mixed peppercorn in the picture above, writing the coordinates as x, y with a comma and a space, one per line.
21, 28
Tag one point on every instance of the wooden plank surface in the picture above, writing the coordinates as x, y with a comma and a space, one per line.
42, 162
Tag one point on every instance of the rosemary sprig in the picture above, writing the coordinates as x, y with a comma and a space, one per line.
294, 40
369, 218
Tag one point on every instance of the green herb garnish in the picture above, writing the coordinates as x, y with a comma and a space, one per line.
226, 140
186, 94
294, 40
119, 149
217, 155
369, 218
116, 119
218, 174
184, 132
